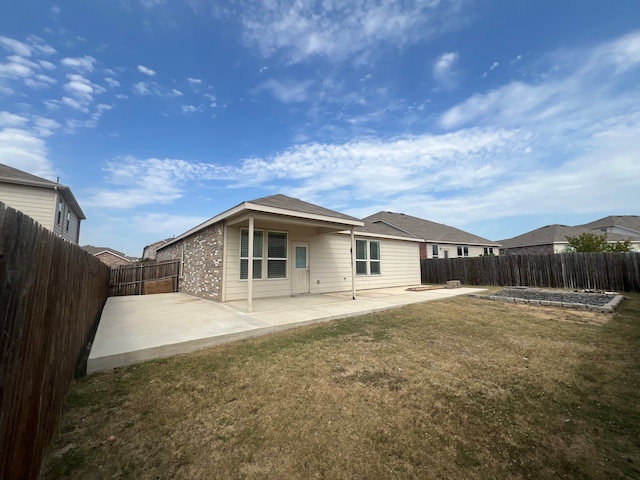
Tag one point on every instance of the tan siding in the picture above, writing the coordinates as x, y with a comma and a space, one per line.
38, 203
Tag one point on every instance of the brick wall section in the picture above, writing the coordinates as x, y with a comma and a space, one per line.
111, 260
202, 267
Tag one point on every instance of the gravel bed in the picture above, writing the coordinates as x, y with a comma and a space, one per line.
596, 299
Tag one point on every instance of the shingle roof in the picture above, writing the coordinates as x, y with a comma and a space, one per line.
18, 177
550, 234
631, 222
384, 229
297, 205
10, 174
429, 231
95, 250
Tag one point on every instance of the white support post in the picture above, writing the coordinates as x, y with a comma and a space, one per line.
250, 267
353, 264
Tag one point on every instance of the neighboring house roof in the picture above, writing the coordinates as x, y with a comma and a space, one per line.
18, 177
98, 250
551, 234
159, 243
383, 230
428, 231
628, 222
278, 205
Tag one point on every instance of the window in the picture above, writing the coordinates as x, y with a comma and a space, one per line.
276, 246
367, 259
59, 211
257, 254
434, 251
68, 219
463, 251
488, 250
277, 255
374, 258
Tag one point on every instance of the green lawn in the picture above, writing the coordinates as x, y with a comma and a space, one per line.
462, 388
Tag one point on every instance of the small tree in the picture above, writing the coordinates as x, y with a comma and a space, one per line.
591, 242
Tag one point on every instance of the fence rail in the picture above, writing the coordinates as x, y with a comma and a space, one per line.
600, 271
131, 279
51, 296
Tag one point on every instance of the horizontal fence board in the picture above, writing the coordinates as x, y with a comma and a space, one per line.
598, 271
51, 296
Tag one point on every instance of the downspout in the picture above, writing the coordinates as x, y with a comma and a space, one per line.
353, 264
250, 268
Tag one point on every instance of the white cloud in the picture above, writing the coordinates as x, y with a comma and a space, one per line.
443, 69
194, 81
15, 70
176, 93
113, 83
339, 29
190, 109
40, 81
45, 127
494, 65
24, 150
146, 70
141, 88
152, 181
8, 119
15, 46
82, 64
82, 90
286, 92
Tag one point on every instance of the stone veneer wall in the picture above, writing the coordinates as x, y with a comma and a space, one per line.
202, 266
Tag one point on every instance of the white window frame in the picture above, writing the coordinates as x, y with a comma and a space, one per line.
367, 261
262, 273
257, 272
435, 250
463, 250
279, 259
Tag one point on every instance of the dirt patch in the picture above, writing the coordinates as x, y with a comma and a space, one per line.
164, 285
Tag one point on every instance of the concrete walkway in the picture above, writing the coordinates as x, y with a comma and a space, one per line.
138, 328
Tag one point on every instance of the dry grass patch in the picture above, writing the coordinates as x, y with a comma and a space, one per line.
451, 389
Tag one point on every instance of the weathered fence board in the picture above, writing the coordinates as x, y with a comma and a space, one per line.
600, 271
52, 293
130, 279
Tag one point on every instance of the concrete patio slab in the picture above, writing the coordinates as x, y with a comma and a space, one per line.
138, 328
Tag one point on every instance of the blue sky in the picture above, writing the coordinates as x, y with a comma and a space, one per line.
496, 117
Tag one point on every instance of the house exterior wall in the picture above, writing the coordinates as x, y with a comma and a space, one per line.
426, 250
329, 264
68, 227
111, 259
38, 203
41, 204
202, 262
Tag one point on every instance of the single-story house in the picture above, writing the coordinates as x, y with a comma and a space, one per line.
280, 246
438, 240
553, 238
51, 204
109, 256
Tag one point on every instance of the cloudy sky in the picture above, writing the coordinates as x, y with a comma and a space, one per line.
496, 117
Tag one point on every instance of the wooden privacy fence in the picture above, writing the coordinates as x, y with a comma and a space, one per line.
601, 271
136, 279
52, 294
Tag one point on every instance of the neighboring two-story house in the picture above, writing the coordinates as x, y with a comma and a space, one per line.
50, 204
